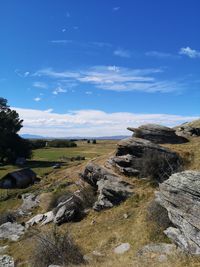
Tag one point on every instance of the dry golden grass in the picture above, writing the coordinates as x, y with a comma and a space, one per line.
105, 230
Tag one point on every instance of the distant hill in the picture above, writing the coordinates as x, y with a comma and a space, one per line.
117, 137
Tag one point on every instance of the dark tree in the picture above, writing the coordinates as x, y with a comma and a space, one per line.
12, 145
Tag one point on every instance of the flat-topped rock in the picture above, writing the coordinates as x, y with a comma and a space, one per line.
142, 158
158, 134
180, 196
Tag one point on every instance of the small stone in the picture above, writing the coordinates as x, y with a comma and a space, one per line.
125, 216
6, 261
121, 249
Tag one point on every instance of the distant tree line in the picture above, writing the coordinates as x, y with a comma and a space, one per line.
59, 143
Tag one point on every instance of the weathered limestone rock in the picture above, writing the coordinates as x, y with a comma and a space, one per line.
70, 209
11, 231
180, 195
140, 157
111, 189
121, 249
6, 261
187, 131
41, 218
30, 201
159, 251
157, 134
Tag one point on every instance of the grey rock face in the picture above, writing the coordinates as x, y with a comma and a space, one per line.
6, 261
188, 131
11, 231
157, 134
111, 189
70, 209
180, 196
30, 201
140, 157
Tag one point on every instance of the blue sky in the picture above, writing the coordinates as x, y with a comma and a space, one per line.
92, 68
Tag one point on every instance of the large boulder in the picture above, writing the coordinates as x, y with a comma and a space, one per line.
158, 134
69, 209
142, 158
180, 196
110, 187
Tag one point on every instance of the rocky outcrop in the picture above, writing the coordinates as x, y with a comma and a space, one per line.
180, 196
70, 209
187, 131
157, 134
11, 231
110, 187
142, 158
30, 201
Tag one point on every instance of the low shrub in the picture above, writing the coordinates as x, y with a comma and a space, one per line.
158, 166
56, 249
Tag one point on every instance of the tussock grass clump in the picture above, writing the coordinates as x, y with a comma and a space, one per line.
56, 248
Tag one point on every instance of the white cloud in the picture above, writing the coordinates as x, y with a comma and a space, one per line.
90, 122
115, 78
158, 54
64, 30
187, 51
88, 93
122, 53
37, 99
40, 85
59, 90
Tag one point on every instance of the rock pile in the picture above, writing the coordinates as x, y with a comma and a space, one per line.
110, 188
142, 158
158, 134
180, 196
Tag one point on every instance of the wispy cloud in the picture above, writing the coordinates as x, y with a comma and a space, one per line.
40, 85
187, 51
59, 90
94, 44
158, 54
37, 99
122, 53
116, 8
22, 74
115, 79
90, 122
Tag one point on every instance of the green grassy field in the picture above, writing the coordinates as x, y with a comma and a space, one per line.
44, 159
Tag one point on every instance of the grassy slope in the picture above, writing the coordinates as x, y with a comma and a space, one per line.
105, 230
